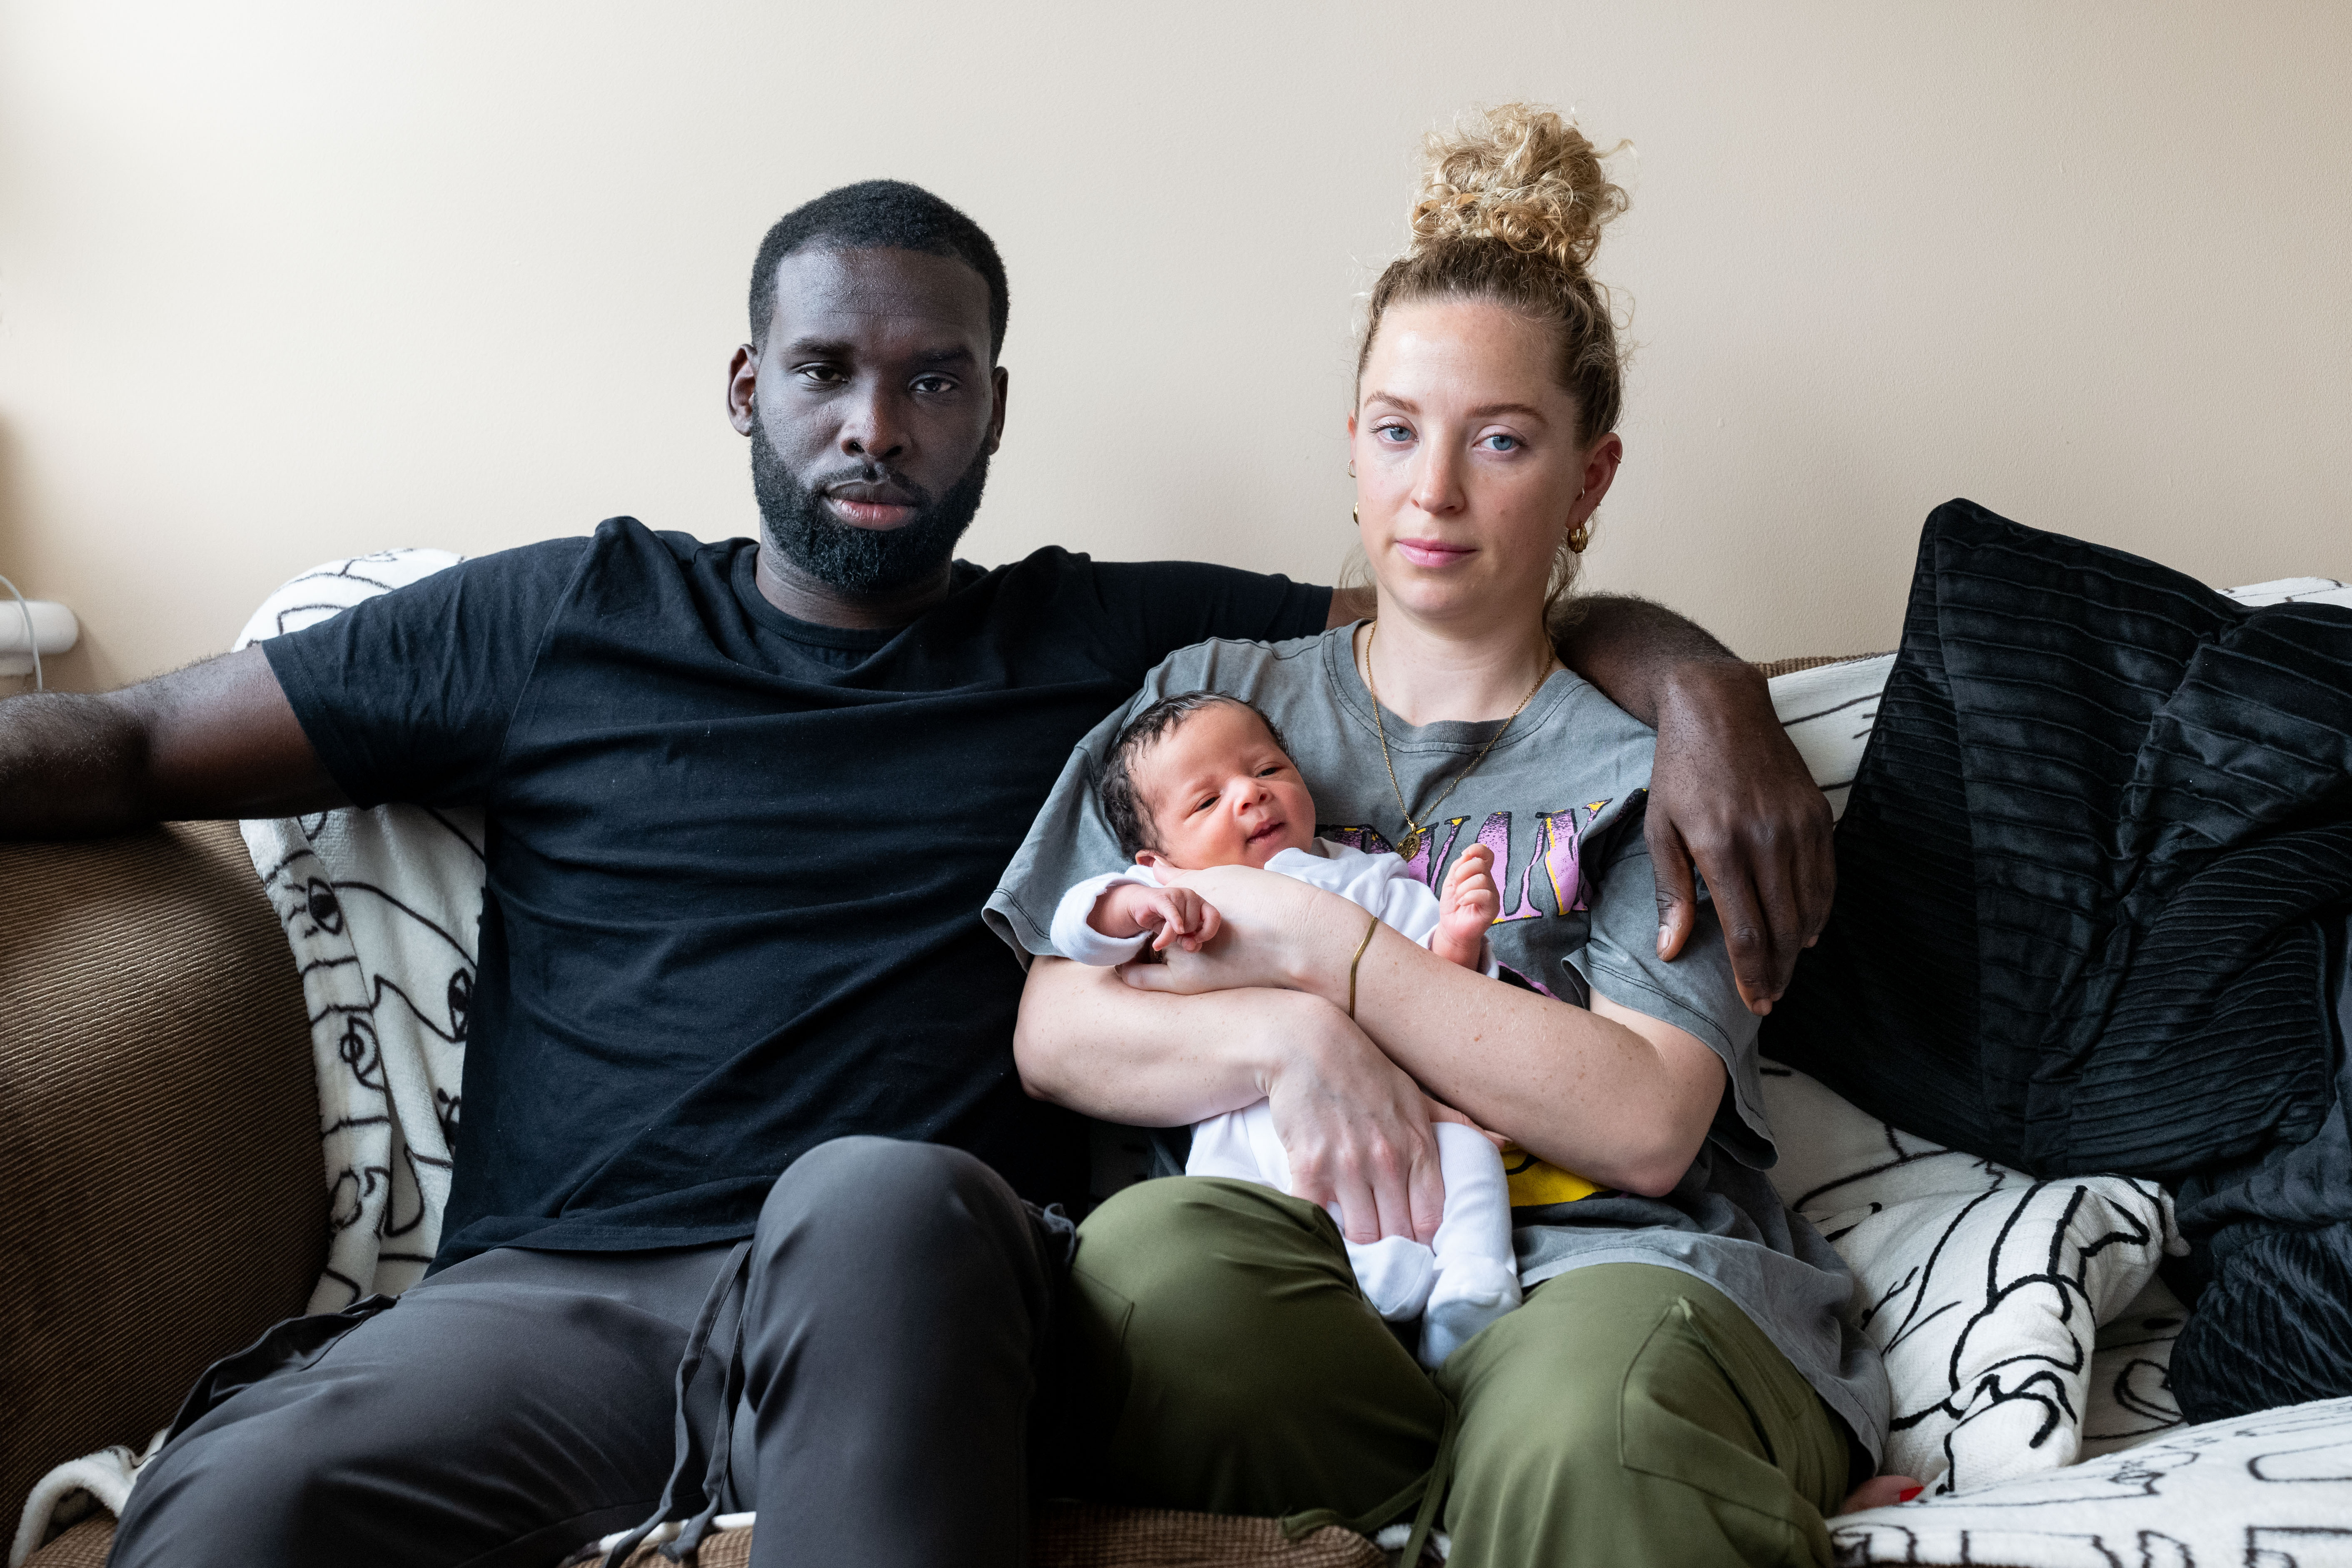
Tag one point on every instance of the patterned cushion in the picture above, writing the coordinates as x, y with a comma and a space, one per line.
2273, 1490
1982, 1289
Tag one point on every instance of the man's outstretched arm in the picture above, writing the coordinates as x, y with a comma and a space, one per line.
215, 739
1729, 791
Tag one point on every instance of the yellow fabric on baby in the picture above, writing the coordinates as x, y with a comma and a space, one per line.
1535, 1183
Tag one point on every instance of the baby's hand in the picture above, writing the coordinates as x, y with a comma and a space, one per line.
1174, 914
1468, 903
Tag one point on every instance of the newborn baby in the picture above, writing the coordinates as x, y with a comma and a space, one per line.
1203, 780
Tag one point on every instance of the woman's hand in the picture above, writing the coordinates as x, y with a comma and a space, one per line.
1276, 931
1440, 1111
1354, 1126
1357, 1130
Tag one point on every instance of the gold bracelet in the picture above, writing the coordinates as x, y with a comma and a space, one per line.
1359, 959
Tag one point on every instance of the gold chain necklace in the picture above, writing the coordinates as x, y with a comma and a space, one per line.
1413, 830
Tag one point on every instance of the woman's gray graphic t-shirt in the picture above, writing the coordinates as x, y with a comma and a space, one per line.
1559, 801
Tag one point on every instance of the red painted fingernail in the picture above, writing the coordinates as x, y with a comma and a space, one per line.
1907, 1495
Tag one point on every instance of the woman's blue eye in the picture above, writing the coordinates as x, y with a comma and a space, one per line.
1399, 431
1503, 443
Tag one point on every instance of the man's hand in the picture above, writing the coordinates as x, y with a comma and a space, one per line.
1730, 794
1728, 791
1166, 914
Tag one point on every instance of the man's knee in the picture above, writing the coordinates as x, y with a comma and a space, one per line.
863, 1214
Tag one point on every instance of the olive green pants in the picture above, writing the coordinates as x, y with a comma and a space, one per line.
1222, 1359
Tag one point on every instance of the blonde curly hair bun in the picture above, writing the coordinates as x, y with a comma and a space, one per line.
1511, 208
1519, 175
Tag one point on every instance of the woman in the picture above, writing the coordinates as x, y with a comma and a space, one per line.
1680, 1386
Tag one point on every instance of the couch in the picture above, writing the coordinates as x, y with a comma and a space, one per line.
160, 1198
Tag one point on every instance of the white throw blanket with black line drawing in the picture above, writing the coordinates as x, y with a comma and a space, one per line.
383, 909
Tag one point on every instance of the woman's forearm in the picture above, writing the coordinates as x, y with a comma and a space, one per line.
1354, 1126
1092, 1044
1617, 1097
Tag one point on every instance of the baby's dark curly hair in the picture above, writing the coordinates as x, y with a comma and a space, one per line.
1127, 815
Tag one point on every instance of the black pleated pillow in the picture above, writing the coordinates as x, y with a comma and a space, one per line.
2089, 875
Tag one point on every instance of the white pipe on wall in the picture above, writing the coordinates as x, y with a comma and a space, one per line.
55, 631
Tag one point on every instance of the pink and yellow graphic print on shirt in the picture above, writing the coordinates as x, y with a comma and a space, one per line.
1554, 866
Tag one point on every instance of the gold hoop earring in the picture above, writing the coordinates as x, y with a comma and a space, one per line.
1582, 535
1351, 467
1356, 515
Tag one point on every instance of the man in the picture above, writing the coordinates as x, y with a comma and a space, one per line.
739, 1216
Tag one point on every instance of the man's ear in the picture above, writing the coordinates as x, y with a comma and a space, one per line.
998, 382
742, 381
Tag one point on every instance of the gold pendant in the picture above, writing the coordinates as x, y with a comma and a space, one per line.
1410, 845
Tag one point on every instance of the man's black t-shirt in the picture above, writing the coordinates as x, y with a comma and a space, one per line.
736, 861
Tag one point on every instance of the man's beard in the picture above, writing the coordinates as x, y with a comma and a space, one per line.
860, 560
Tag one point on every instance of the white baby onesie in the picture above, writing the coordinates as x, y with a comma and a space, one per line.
1469, 1275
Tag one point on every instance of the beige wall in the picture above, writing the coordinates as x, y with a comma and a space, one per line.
285, 281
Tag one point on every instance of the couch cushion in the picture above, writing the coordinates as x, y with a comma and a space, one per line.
160, 1199
83, 1546
1068, 1535
1981, 1288
1101, 1535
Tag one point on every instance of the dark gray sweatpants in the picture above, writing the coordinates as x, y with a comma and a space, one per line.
515, 1405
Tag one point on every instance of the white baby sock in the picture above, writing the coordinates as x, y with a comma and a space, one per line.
1478, 1270
1396, 1274
1468, 1294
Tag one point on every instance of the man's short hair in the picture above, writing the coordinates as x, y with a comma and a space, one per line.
880, 215
1121, 808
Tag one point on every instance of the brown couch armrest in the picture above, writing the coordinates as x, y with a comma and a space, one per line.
161, 1196
1774, 669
